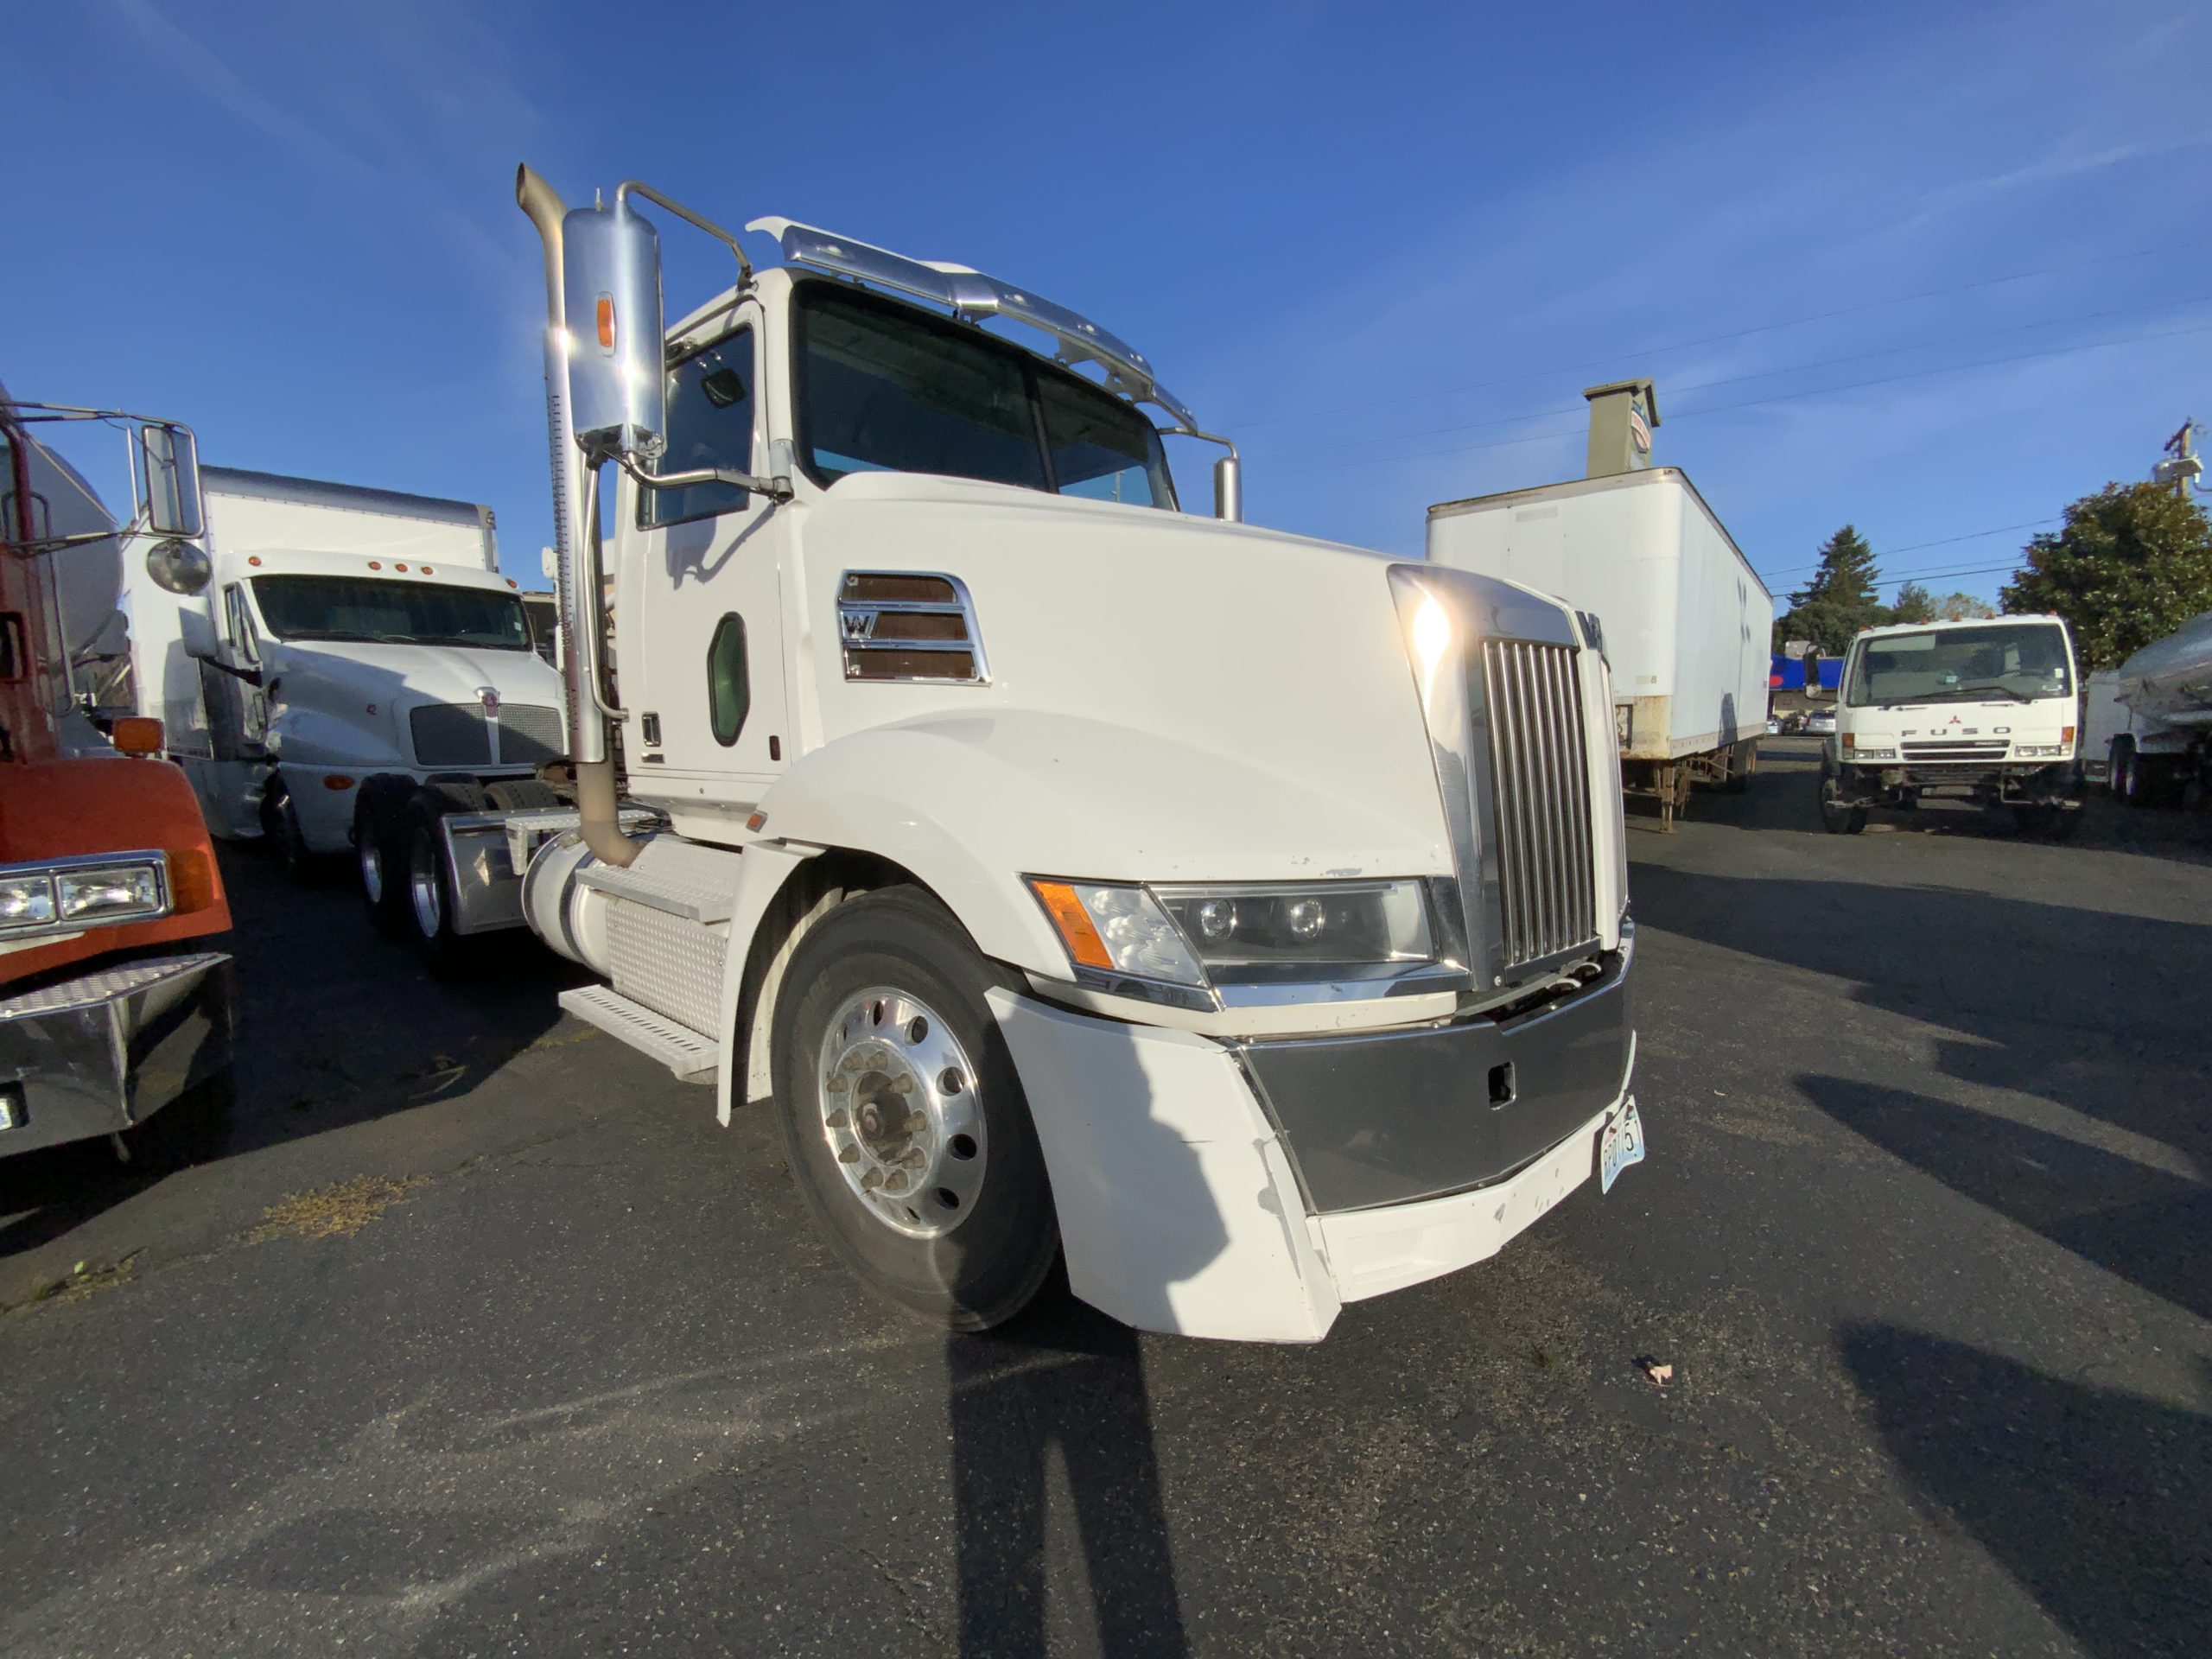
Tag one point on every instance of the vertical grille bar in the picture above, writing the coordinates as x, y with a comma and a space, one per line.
1540, 808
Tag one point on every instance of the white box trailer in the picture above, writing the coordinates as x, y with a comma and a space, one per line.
1688, 624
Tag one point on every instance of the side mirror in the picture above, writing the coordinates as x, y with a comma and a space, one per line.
610, 301
196, 633
169, 472
1229, 489
179, 566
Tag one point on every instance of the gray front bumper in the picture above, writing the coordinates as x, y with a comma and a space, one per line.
97, 1054
1391, 1117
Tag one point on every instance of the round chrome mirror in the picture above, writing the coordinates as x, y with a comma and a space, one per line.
181, 567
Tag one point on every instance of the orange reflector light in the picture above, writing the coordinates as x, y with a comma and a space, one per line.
399, 567
192, 882
757, 822
336, 780
253, 558
1850, 741
137, 735
2066, 733
376, 564
510, 582
428, 571
606, 322
1074, 924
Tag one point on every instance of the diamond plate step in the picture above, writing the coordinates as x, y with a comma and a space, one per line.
681, 878
692, 1058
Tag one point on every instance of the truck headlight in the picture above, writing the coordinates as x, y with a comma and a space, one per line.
1873, 754
1278, 933
80, 893
26, 900
2031, 751
114, 892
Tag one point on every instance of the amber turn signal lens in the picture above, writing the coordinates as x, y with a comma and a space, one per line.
1073, 921
606, 322
137, 735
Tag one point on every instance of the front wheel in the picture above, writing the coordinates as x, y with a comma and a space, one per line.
908, 1130
427, 903
1837, 817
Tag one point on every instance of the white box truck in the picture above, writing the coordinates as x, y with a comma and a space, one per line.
1075, 878
1688, 624
2163, 755
352, 644
1982, 711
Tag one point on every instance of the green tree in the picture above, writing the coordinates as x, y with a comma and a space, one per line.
1840, 599
2132, 563
1962, 608
1913, 604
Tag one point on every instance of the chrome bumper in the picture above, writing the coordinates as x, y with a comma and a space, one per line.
99, 1053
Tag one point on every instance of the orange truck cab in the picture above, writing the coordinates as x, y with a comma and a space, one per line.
113, 1006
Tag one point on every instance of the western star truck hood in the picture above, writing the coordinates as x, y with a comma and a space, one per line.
1183, 699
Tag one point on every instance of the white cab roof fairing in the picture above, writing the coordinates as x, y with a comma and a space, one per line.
969, 293
301, 562
1890, 629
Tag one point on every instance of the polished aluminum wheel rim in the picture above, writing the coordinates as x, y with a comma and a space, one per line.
372, 859
899, 1112
425, 886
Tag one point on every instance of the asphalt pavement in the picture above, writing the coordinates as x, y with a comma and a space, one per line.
482, 1337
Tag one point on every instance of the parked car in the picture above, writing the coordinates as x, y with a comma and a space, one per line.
1821, 722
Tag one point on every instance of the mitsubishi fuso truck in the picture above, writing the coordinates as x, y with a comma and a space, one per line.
352, 645
115, 998
1240, 918
1982, 712
1685, 620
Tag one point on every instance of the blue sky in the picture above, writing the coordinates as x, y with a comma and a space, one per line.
1377, 245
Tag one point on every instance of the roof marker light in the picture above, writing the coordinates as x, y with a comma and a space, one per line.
428, 571
399, 567
253, 558
376, 564
510, 582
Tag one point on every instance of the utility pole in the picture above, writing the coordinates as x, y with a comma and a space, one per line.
2182, 468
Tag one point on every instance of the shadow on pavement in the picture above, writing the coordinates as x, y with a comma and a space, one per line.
2100, 1010
2099, 1504
1070, 1387
337, 1026
2150, 1226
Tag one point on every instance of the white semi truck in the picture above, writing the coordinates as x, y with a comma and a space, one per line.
1982, 711
1687, 622
2162, 754
352, 645
1239, 918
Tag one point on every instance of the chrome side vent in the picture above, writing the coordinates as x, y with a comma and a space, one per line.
1540, 800
909, 626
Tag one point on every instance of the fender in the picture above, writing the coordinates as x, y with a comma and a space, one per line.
972, 802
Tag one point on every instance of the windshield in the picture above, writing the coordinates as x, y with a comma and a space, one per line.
883, 387
2022, 661
371, 608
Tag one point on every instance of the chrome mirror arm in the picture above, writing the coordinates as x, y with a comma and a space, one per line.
776, 489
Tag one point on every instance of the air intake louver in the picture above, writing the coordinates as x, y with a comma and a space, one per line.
1540, 800
898, 624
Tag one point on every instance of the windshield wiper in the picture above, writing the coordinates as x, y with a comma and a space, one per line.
1955, 693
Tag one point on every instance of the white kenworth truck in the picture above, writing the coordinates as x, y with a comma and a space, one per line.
1982, 711
351, 647
1243, 918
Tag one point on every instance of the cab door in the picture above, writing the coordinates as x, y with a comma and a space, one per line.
702, 674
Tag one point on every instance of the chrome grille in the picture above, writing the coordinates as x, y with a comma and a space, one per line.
1540, 800
530, 735
450, 735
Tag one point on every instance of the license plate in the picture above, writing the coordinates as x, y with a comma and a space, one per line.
1620, 1143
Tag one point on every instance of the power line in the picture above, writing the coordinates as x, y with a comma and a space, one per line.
1915, 547
1715, 339
1740, 379
1789, 397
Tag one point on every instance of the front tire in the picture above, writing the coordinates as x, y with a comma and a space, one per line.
946, 1210
380, 852
1837, 817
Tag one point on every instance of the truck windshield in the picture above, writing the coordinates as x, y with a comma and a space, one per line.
883, 387
371, 609
2021, 662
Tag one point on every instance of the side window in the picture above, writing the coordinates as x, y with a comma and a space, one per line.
241, 623
710, 424
730, 692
